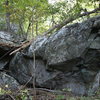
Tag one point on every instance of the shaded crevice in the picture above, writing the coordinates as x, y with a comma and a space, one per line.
95, 30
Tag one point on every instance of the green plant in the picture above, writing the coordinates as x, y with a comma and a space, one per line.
60, 97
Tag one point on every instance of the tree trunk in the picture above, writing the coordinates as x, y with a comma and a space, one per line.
7, 16
36, 27
53, 21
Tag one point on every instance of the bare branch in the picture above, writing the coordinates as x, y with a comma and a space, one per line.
58, 26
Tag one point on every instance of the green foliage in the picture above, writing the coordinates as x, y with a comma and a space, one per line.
4, 91
60, 97
39, 15
25, 94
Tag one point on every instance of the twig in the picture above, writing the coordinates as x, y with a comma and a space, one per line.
27, 82
52, 91
22, 46
11, 96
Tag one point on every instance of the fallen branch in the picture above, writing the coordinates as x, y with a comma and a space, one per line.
58, 26
22, 46
9, 45
12, 97
51, 91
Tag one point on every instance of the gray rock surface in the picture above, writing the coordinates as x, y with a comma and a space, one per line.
6, 43
6, 37
68, 59
94, 85
24, 70
8, 82
66, 48
95, 44
37, 47
71, 43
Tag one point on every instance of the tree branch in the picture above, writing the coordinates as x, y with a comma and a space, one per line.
60, 25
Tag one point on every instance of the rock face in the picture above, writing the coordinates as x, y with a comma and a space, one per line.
71, 45
7, 44
24, 70
94, 86
68, 59
38, 47
8, 82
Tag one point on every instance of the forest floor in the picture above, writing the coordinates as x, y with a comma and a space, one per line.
39, 94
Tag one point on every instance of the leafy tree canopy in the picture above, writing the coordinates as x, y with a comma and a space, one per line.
37, 16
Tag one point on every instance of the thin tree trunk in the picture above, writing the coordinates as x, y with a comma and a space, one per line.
32, 26
7, 16
53, 21
36, 27
29, 25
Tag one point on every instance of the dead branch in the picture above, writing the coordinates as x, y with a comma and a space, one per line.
22, 46
11, 96
8, 45
58, 26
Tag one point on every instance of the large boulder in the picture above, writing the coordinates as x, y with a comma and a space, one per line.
23, 70
79, 81
71, 43
65, 49
69, 58
8, 42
